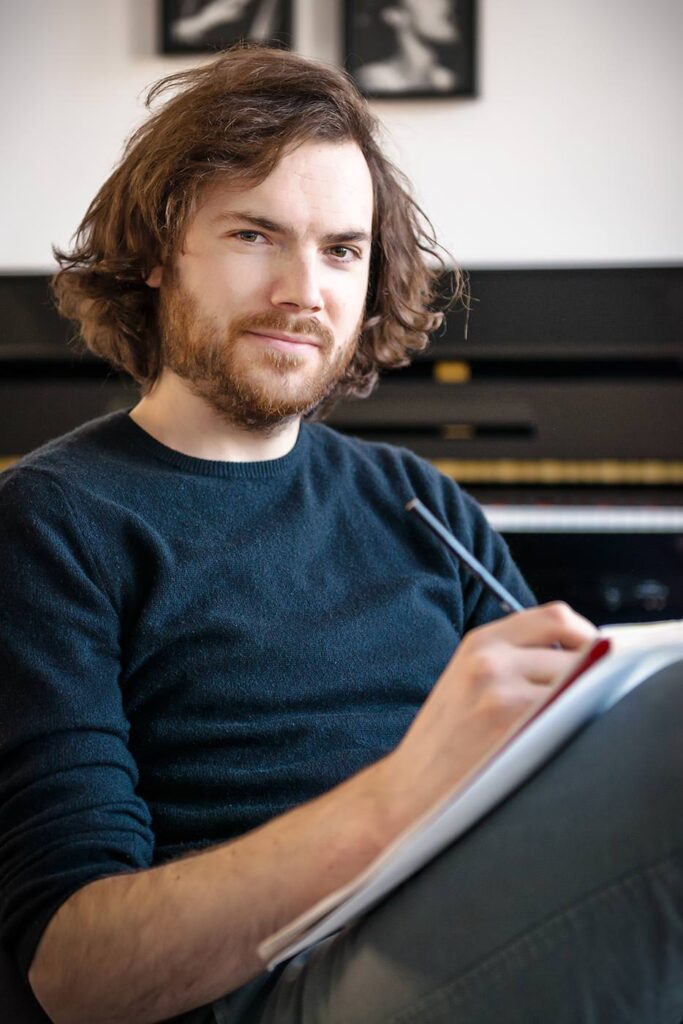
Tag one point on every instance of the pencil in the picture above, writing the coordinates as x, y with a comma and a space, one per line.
505, 599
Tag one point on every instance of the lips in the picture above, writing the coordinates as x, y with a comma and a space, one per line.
288, 341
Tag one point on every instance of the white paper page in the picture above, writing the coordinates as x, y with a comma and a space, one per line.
592, 694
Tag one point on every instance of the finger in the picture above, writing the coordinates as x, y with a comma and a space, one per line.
506, 702
544, 626
541, 665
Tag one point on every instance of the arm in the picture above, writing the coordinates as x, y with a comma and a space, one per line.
152, 944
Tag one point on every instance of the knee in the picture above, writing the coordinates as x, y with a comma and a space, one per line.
634, 752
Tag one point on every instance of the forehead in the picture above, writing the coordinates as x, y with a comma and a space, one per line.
314, 184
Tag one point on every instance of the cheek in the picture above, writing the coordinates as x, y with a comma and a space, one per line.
224, 289
346, 301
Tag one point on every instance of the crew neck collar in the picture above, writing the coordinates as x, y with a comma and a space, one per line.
259, 470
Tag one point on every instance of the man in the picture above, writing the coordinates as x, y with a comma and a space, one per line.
223, 637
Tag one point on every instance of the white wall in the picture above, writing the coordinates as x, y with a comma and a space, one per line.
572, 153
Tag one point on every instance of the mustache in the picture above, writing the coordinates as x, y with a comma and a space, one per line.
306, 325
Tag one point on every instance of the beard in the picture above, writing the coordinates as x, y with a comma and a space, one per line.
249, 385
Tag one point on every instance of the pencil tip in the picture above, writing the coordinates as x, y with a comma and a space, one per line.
410, 505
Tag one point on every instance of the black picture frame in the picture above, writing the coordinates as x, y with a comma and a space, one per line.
196, 26
411, 49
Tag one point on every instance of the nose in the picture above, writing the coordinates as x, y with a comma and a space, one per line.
297, 287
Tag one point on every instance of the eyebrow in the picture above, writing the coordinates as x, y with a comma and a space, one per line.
334, 238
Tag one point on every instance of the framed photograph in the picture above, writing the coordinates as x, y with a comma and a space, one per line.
201, 26
403, 49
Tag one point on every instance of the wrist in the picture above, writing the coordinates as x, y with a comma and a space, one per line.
398, 795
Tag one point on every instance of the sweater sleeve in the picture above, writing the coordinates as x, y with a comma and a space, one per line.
69, 812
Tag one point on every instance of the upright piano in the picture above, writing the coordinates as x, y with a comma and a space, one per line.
555, 396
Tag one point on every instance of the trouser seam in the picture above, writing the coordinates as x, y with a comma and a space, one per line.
523, 950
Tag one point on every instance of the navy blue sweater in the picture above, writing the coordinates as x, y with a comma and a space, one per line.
188, 647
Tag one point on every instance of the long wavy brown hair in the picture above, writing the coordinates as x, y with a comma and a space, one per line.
235, 117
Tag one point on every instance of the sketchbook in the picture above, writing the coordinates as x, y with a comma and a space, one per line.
621, 658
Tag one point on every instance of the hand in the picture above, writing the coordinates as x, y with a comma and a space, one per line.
499, 673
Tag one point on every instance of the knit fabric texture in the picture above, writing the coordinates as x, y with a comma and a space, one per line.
189, 647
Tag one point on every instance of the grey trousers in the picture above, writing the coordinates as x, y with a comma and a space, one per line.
563, 906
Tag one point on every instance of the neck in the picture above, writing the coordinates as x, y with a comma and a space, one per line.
176, 417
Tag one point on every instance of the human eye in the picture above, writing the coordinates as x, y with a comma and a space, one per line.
344, 253
251, 237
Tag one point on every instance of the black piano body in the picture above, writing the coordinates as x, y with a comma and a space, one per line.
555, 398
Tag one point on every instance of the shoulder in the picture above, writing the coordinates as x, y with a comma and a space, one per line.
49, 493
55, 525
398, 471
85, 440
67, 463
341, 450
